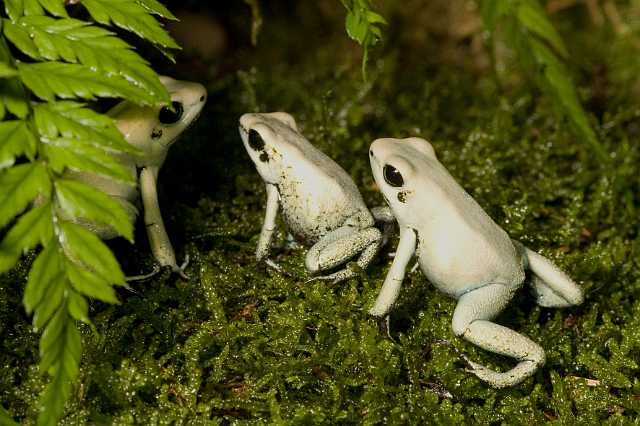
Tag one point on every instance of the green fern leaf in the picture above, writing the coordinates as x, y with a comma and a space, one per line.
50, 79
157, 8
89, 284
46, 269
83, 201
556, 79
534, 18
32, 228
78, 307
7, 70
53, 297
75, 154
85, 247
69, 119
131, 16
60, 351
19, 185
54, 7
15, 139
17, 8
71, 40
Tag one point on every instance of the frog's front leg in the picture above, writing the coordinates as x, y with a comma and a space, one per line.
472, 321
392, 283
340, 245
158, 237
269, 226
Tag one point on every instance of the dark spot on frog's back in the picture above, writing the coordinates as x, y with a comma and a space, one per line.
402, 197
156, 134
264, 157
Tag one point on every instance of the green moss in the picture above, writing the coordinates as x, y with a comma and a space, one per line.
241, 343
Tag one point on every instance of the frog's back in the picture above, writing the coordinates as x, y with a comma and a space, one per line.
461, 247
316, 193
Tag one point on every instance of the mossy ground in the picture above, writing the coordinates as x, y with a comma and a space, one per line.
240, 343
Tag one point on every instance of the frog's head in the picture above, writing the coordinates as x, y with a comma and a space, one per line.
267, 138
395, 164
153, 129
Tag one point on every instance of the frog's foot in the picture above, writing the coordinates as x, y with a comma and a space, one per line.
471, 321
336, 277
154, 272
339, 246
180, 269
384, 325
552, 287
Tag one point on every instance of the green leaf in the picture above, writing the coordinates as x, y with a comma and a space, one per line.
52, 299
19, 185
131, 16
7, 70
15, 139
46, 269
91, 285
60, 352
54, 7
32, 228
534, 18
494, 10
32, 7
157, 8
13, 97
50, 79
558, 84
77, 155
72, 40
81, 200
78, 307
85, 247
72, 120
14, 8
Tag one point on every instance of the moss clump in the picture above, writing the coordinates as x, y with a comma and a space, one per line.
240, 343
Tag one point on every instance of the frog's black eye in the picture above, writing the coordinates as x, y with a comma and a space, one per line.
171, 115
392, 176
255, 140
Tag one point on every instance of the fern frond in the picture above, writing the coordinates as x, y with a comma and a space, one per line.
21, 185
40, 203
540, 50
75, 41
49, 80
132, 16
70, 119
15, 139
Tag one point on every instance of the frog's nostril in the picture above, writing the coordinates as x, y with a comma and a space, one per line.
371, 152
202, 98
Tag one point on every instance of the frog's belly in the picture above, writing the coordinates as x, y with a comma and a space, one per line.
458, 266
308, 220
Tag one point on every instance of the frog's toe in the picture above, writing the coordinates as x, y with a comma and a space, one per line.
336, 277
154, 272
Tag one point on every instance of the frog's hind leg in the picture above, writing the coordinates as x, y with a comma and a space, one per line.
472, 321
552, 287
340, 245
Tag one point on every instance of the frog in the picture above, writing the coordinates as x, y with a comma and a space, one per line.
464, 254
153, 130
320, 203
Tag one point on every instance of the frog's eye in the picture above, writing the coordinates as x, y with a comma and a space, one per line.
171, 115
392, 176
255, 140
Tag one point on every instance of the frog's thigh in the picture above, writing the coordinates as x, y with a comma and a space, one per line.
471, 321
340, 245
